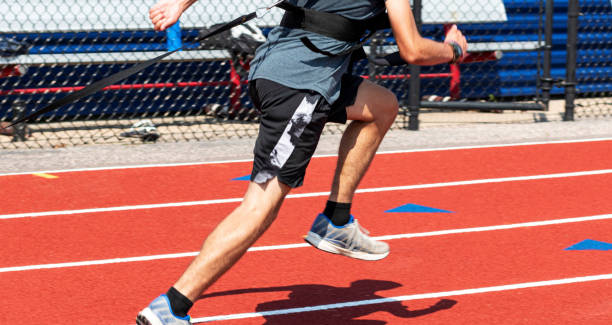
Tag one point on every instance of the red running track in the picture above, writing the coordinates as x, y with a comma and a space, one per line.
145, 232
280, 279
107, 188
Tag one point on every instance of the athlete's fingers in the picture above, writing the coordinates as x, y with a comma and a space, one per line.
455, 35
166, 22
157, 17
161, 22
157, 22
154, 14
155, 10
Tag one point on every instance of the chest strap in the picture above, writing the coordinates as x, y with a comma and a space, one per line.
331, 25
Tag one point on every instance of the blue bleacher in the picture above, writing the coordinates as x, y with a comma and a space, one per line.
514, 75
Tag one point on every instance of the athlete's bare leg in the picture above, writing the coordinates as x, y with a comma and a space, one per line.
233, 236
373, 112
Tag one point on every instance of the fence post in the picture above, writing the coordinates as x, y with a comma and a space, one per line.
546, 79
414, 99
21, 129
573, 12
373, 68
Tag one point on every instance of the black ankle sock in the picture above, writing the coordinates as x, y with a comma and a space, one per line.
180, 304
339, 213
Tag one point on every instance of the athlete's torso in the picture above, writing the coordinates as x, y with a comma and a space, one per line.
284, 58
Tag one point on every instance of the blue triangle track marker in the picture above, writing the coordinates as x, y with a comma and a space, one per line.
590, 244
242, 178
415, 208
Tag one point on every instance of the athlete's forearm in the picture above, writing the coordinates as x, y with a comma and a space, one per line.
424, 51
187, 3
413, 48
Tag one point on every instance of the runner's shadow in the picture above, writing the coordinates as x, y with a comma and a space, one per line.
318, 294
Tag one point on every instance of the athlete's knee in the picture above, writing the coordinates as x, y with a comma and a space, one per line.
261, 200
388, 107
256, 211
374, 104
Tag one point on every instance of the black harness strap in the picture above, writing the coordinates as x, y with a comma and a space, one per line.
101, 84
332, 25
323, 23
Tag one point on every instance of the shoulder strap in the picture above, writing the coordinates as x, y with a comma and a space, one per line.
324, 23
331, 25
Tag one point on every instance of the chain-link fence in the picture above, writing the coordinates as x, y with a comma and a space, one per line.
502, 73
594, 64
195, 94
52, 48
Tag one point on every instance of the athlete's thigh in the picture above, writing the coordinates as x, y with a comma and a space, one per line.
371, 101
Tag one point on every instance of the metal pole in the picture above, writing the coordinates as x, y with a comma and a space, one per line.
546, 79
373, 68
415, 79
483, 106
573, 12
21, 130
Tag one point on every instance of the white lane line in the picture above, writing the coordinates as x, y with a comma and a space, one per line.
497, 227
291, 246
133, 259
119, 208
313, 194
396, 299
518, 144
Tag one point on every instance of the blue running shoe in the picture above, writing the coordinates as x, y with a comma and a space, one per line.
350, 240
159, 313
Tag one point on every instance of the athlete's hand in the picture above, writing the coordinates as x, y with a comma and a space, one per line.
166, 13
455, 35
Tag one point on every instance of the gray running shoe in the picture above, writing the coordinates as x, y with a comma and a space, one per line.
350, 240
159, 313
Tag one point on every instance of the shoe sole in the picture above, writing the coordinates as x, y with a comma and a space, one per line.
324, 245
147, 317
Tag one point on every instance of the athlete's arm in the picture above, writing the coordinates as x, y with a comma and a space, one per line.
413, 48
166, 13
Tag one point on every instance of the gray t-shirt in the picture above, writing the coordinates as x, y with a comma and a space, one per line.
285, 60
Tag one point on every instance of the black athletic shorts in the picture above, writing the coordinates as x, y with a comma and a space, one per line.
291, 123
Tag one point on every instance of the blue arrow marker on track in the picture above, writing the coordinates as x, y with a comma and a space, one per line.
242, 178
589, 244
416, 208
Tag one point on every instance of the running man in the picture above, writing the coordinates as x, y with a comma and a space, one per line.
298, 88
